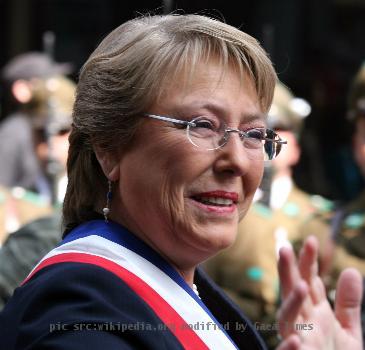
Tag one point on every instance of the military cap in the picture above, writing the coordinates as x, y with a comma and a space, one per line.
287, 111
33, 64
55, 97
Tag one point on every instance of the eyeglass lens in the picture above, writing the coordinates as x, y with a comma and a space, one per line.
210, 134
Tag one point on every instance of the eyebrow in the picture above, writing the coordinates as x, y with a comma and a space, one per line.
222, 110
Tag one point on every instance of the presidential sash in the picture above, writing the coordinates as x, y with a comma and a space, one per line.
113, 248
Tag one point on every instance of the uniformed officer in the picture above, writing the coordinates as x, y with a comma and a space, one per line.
34, 140
290, 204
341, 232
38, 224
345, 227
30, 83
248, 270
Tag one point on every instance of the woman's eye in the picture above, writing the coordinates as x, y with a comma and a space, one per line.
257, 134
205, 123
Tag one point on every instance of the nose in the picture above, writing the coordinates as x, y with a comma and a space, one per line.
232, 158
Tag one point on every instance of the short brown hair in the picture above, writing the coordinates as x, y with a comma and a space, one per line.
127, 73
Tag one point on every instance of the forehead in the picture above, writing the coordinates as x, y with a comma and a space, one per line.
207, 70
206, 79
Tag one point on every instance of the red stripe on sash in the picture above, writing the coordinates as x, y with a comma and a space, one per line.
187, 337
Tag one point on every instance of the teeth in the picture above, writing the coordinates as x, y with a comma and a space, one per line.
216, 201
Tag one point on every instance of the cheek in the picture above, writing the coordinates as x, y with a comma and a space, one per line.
181, 163
159, 175
254, 176
182, 169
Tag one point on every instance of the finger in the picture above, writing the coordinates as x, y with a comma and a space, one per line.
290, 277
288, 271
291, 343
307, 263
348, 301
317, 290
308, 267
290, 309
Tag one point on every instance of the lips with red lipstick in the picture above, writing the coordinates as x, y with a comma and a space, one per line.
217, 198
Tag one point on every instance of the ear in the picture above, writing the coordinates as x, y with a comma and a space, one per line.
22, 91
109, 163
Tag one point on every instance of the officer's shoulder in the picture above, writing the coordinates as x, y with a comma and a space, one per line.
322, 210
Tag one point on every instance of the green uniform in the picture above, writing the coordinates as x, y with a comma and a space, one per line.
18, 207
341, 235
350, 237
297, 208
23, 249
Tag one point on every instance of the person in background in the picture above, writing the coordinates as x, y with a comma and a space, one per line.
289, 204
33, 140
167, 150
348, 225
341, 232
36, 227
31, 82
247, 270
37, 231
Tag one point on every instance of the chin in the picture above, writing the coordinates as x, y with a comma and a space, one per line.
208, 236
227, 242
220, 238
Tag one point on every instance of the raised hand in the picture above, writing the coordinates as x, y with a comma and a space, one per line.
306, 319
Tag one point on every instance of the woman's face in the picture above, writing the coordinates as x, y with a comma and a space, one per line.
184, 201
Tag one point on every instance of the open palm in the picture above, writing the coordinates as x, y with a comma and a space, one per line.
306, 319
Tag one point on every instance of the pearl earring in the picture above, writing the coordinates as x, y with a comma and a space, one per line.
106, 210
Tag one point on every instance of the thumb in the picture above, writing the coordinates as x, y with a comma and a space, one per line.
348, 301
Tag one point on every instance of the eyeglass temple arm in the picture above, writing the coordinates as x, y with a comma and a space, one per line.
171, 120
281, 142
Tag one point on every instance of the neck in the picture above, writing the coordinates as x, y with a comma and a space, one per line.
186, 272
187, 275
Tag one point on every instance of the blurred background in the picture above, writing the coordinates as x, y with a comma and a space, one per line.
316, 47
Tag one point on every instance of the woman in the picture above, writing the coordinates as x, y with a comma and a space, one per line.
168, 143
